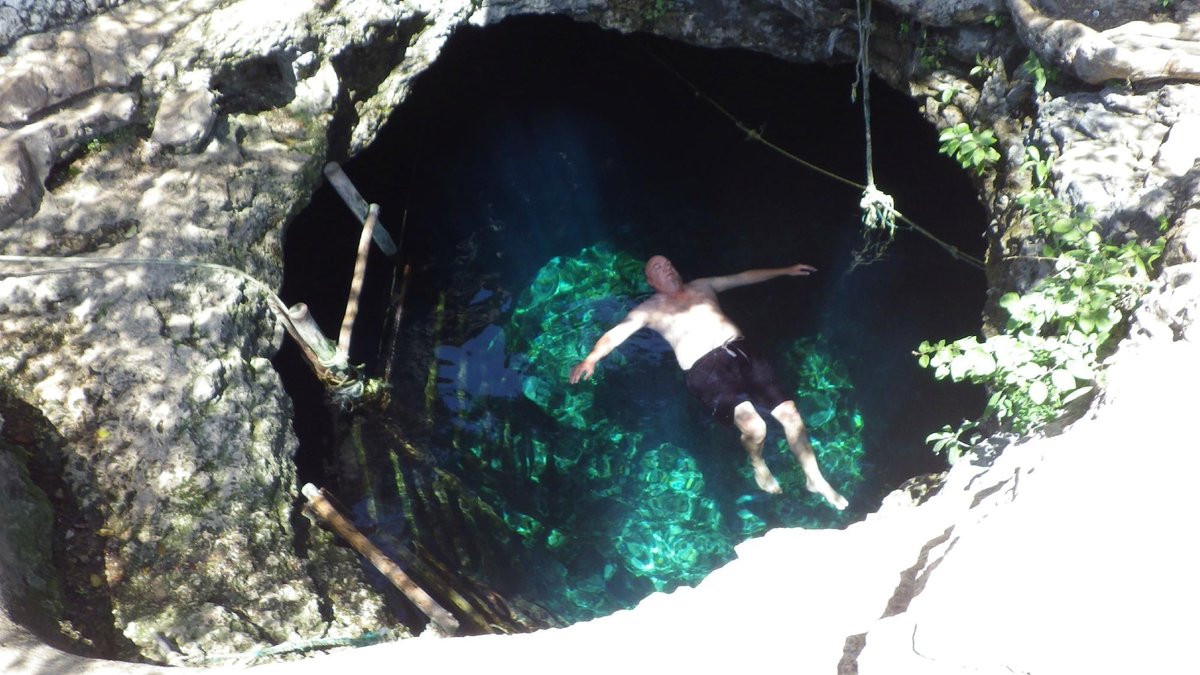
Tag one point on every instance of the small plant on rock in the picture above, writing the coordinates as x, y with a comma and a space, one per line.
949, 440
1037, 166
657, 9
932, 52
972, 149
984, 66
1039, 75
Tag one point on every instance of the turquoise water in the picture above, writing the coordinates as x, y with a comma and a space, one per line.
535, 168
619, 483
673, 529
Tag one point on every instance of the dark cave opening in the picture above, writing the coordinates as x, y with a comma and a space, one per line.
533, 142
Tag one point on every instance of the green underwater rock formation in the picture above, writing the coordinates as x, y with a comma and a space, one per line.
642, 505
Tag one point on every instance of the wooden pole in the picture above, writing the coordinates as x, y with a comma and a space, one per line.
313, 342
443, 620
358, 206
397, 314
318, 351
360, 273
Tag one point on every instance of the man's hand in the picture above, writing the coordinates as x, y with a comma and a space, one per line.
799, 270
608, 342
583, 371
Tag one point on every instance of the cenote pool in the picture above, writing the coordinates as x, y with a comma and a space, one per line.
530, 174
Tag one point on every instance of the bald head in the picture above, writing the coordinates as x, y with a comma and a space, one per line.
662, 275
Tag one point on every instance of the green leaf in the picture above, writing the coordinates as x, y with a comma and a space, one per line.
1082, 391
1061, 226
981, 363
1038, 392
938, 434
1080, 371
1062, 380
1029, 371
996, 405
959, 367
954, 455
1066, 309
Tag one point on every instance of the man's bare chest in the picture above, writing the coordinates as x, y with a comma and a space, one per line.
672, 312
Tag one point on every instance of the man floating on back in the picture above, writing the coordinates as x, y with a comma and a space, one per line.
723, 372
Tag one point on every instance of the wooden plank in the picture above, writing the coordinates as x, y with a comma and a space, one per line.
358, 206
443, 620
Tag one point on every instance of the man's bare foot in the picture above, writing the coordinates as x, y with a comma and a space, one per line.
766, 481
836, 500
826, 490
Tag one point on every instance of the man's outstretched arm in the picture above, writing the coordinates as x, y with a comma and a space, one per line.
718, 284
608, 342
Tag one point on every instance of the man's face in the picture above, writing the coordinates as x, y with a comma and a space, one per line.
662, 275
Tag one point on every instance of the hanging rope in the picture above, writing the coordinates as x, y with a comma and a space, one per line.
878, 207
887, 208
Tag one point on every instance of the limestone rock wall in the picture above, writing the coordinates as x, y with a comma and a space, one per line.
177, 131
23, 17
193, 130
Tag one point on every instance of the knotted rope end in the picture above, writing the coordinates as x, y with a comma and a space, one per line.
878, 210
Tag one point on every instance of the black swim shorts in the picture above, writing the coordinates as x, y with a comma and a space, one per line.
732, 374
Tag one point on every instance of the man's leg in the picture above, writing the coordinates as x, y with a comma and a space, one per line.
754, 432
797, 438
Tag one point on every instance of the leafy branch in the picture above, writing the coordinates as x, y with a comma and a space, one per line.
1049, 354
972, 149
